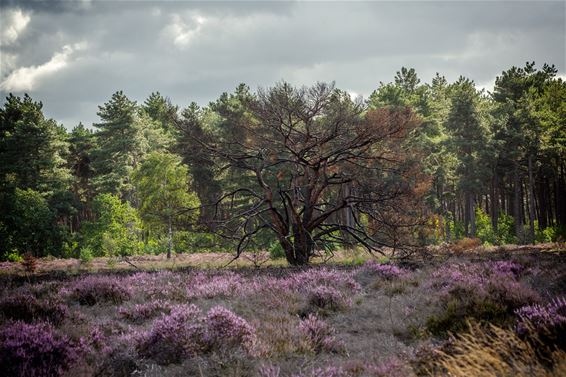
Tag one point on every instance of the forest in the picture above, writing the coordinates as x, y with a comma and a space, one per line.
290, 232
295, 171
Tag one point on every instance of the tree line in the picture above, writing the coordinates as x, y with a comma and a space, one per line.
299, 170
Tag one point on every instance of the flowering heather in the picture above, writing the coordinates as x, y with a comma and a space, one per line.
185, 332
27, 308
92, 290
174, 336
227, 284
269, 371
165, 285
392, 367
550, 317
319, 335
28, 350
332, 371
226, 329
330, 298
141, 312
385, 271
505, 267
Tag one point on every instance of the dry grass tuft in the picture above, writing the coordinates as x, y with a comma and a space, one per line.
493, 351
465, 244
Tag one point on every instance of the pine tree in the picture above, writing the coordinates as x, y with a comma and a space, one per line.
121, 145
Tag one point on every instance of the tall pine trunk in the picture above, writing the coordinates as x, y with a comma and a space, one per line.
517, 207
531, 202
169, 237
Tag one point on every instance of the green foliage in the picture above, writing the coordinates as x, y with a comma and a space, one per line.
457, 229
550, 234
116, 230
484, 228
31, 147
193, 242
29, 225
14, 257
86, 255
162, 184
276, 251
505, 229
125, 136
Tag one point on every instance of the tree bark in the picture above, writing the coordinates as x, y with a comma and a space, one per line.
472, 215
169, 238
517, 207
531, 202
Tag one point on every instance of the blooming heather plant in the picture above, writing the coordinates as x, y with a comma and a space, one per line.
27, 308
92, 290
226, 329
269, 370
385, 271
328, 298
35, 350
226, 284
485, 292
185, 332
546, 321
162, 285
174, 336
331, 371
505, 267
141, 312
392, 367
318, 334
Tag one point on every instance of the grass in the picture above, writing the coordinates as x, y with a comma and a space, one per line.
345, 319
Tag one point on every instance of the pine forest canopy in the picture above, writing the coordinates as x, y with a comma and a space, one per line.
305, 170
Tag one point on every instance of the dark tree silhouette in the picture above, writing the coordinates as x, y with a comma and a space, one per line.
320, 169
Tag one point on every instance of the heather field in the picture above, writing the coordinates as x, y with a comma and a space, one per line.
497, 312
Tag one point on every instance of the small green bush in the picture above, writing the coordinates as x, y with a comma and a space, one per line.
14, 256
86, 255
276, 251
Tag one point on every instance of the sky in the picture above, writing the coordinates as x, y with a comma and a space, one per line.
72, 55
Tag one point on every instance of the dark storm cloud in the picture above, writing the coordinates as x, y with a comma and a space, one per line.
73, 55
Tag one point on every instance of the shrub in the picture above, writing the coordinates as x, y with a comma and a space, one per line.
141, 312
550, 234
547, 322
385, 271
35, 350
466, 244
318, 334
328, 298
226, 329
185, 332
120, 363
14, 256
86, 255
116, 229
484, 292
174, 336
29, 263
27, 308
484, 229
92, 290
506, 229
276, 251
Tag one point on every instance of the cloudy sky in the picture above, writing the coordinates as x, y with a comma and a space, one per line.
73, 55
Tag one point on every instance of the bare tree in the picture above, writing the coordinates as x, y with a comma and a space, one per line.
321, 169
